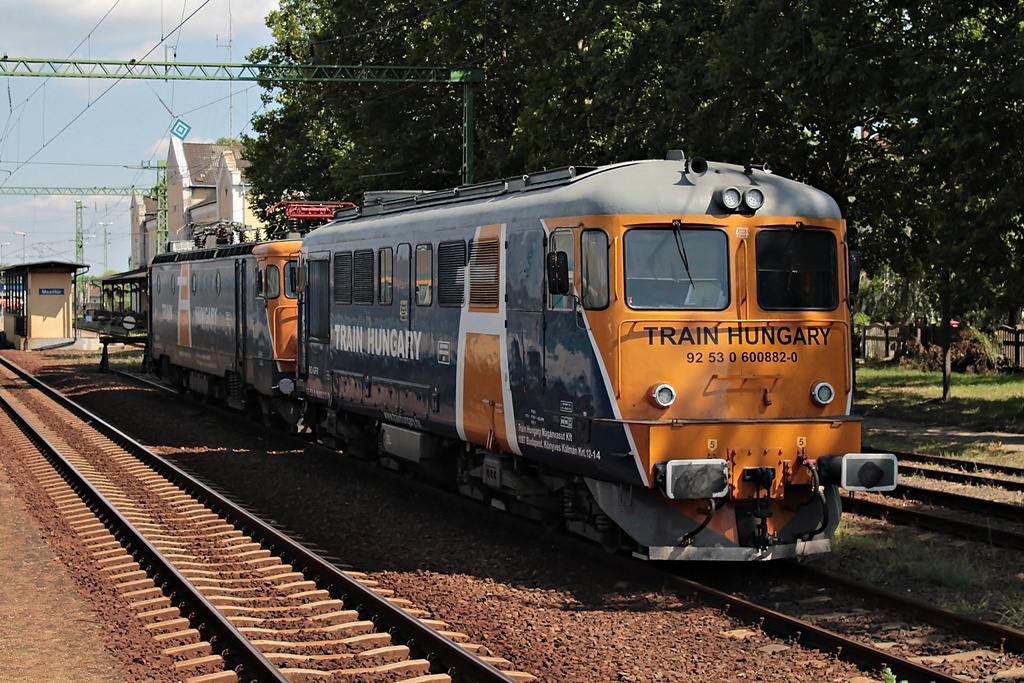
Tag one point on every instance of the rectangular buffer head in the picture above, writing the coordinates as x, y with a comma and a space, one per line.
869, 472
692, 479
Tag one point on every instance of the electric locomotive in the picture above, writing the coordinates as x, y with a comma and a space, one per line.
654, 354
224, 325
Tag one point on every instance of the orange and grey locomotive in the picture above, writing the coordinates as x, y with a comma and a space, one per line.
223, 324
654, 354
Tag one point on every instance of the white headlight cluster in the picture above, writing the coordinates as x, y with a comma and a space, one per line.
822, 393
733, 200
662, 395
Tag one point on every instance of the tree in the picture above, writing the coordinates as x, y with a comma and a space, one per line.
906, 113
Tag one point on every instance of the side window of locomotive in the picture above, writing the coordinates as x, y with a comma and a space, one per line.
451, 273
272, 281
677, 268
562, 240
291, 279
594, 269
424, 274
318, 296
362, 277
797, 269
386, 277
343, 277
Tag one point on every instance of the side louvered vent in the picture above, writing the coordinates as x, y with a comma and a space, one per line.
484, 271
363, 280
451, 275
343, 277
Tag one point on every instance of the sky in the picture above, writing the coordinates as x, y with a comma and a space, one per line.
93, 132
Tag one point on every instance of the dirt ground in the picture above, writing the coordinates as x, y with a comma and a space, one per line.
47, 631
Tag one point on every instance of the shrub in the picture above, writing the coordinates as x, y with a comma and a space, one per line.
972, 352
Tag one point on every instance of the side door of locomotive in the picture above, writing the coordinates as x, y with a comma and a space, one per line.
317, 319
404, 290
240, 319
525, 301
568, 354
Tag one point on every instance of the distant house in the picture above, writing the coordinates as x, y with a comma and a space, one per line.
144, 225
207, 196
233, 192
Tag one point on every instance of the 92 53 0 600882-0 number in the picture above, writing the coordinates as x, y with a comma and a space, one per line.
744, 357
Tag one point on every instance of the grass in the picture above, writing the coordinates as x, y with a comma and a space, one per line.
985, 402
966, 582
876, 556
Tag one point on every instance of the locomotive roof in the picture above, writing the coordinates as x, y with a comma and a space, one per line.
670, 187
277, 247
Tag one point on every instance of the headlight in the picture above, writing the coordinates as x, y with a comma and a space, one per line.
822, 393
731, 198
662, 395
754, 199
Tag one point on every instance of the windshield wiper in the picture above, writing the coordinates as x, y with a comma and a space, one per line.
677, 231
797, 234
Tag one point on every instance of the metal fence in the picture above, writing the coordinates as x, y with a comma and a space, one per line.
1012, 339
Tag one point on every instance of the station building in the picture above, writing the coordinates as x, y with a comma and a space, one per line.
38, 302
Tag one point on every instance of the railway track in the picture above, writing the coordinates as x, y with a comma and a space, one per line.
197, 572
971, 466
936, 656
871, 627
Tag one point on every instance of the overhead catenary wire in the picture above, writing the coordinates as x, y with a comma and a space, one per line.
99, 97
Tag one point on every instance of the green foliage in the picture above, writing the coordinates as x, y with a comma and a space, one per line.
888, 297
889, 677
905, 113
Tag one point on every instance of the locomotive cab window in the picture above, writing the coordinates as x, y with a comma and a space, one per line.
594, 269
272, 282
797, 269
677, 268
562, 241
291, 279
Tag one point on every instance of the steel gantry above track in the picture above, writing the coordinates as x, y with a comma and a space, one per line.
158, 192
263, 73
